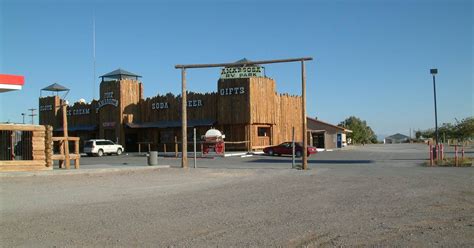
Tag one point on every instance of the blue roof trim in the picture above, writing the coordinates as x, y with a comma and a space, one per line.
79, 128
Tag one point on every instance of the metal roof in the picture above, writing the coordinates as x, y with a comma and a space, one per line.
55, 87
397, 136
120, 72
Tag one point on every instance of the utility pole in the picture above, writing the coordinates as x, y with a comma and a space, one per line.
32, 115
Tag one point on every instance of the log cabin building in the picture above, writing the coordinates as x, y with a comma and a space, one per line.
246, 108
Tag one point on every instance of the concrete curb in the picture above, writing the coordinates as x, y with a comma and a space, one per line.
61, 172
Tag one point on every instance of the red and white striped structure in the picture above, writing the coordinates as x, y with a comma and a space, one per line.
11, 82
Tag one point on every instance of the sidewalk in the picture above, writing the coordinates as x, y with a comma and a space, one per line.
87, 171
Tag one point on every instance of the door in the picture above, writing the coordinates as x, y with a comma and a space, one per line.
339, 140
318, 140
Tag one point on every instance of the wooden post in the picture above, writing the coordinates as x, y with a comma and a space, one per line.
48, 146
194, 139
77, 153
66, 141
184, 125
456, 155
139, 148
293, 164
303, 115
149, 147
164, 148
175, 146
61, 151
431, 153
462, 153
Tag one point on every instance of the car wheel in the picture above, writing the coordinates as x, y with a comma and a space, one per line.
298, 154
270, 152
100, 153
119, 151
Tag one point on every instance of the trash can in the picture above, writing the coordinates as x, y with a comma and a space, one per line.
153, 158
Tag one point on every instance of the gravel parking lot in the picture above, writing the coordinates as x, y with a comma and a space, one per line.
363, 196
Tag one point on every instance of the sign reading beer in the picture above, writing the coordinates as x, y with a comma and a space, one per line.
194, 103
108, 100
241, 72
164, 105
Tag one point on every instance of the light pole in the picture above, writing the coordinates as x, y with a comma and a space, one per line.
434, 72
23, 114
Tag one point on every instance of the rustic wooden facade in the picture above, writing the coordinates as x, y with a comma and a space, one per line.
246, 110
36, 143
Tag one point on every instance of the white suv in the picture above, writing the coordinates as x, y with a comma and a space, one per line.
100, 147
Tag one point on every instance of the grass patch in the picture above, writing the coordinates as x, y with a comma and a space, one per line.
451, 162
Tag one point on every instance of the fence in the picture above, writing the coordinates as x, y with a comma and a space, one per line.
24, 147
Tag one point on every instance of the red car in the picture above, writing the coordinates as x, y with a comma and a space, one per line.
286, 148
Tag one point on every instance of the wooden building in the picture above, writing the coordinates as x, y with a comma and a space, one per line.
245, 107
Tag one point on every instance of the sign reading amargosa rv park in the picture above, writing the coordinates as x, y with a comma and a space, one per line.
241, 72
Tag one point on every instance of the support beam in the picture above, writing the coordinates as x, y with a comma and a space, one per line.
303, 115
184, 124
260, 62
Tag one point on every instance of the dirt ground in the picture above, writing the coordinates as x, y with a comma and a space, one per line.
364, 196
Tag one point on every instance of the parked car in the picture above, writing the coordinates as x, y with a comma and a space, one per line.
286, 148
100, 147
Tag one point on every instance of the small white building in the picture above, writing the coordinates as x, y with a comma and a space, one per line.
396, 139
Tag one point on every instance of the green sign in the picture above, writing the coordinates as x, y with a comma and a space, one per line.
241, 72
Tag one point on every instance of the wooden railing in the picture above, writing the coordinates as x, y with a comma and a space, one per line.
65, 157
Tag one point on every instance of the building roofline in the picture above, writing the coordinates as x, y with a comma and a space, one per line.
329, 124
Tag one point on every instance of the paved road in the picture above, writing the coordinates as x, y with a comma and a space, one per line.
372, 195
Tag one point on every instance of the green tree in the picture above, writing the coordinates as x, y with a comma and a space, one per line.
361, 132
461, 130
464, 130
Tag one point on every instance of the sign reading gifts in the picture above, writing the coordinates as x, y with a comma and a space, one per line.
241, 72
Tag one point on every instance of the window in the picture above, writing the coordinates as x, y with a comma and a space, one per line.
16, 145
263, 131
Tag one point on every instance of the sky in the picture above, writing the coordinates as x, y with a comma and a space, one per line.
371, 58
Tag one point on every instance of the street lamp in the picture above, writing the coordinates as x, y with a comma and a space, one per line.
23, 114
434, 72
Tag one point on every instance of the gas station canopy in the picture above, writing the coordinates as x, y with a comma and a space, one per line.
11, 82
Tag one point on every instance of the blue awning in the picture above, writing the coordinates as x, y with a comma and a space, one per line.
171, 124
79, 128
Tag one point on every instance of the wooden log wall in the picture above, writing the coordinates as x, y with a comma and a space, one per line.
288, 116
80, 114
233, 103
49, 111
262, 99
38, 145
168, 107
